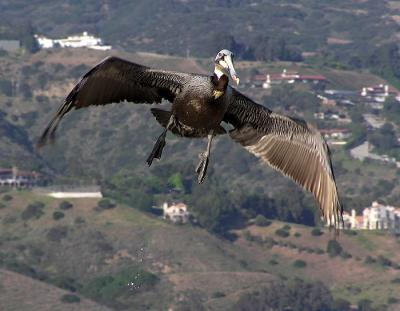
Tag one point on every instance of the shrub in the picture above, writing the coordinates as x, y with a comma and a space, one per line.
261, 221
369, 260
383, 261
392, 300
218, 294
395, 281
299, 263
58, 215
33, 210
79, 220
297, 234
65, 283
333, 248
316, 232
2, 205
64, 205
107, 288
345, 255
273, 262
105, 204
56, 234
70, 298
282, 233
7, 197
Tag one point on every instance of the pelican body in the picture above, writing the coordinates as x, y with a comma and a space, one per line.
200, 105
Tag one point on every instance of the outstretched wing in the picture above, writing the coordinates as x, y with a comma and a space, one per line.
115, 80
289, 145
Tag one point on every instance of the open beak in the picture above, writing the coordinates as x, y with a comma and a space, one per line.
231, 69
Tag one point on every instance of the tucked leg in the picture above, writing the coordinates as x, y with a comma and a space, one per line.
159, 145
204, 158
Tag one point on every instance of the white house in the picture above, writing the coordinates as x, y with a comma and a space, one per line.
13, 177
267, 80
177, 213
84, 40
375, 217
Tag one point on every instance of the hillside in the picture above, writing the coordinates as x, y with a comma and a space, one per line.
22, 293
88, 243
305, 25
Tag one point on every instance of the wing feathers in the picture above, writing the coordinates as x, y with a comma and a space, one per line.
291, 146
115, 80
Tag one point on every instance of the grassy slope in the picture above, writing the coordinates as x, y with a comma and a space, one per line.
188, 259
19, 292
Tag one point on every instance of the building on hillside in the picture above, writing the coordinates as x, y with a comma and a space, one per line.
337, 136
13, 177
10, 45
177, 213
375, 96
325, 101
79, 41
375, 217
266, 81
378, 93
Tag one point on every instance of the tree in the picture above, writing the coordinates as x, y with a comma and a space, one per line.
384, 139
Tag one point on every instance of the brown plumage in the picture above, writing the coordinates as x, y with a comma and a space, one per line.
200, 104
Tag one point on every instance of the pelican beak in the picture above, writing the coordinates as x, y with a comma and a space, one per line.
231, 69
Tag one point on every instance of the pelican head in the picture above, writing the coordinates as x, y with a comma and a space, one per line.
224, 65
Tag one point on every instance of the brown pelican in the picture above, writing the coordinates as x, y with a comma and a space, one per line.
200, 103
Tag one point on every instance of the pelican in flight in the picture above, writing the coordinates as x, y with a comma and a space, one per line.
200, 104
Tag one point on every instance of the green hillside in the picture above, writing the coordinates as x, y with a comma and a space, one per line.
125, 259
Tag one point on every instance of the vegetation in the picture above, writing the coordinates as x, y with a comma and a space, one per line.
58, 215
107, 288
64, 205
70, 298
333, 248
261, 221
298, 294
316, 232
33, 211
299, 263
7, 197
56, 234
282, 232
105, 204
